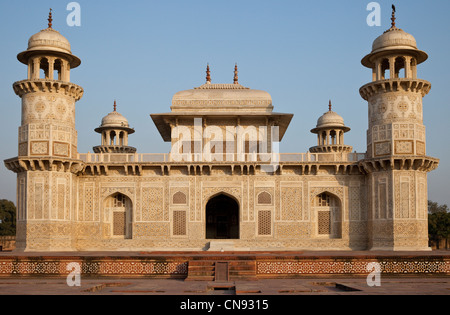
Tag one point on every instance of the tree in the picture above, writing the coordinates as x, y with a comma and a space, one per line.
7, 218
434, 207
438, 223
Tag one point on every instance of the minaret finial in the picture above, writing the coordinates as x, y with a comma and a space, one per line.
208, 75
393, 17
115, 106
50, 19
236, 78
330, 106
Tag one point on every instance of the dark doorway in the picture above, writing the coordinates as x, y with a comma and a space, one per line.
221, 271
222, 218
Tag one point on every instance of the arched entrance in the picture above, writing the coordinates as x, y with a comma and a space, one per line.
329, 220
222, 218
118, 213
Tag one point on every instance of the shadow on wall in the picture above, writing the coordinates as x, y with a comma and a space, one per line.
440, 245
7, 243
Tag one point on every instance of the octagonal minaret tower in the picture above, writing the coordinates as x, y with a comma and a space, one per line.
47, 159
48, 96
396, 161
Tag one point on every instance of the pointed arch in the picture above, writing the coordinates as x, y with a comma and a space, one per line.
328, 213
118, 214
44, 66
112, 137
264, 198
385, 69
57, 68
179, 198
222, 217
399, 65
225, 192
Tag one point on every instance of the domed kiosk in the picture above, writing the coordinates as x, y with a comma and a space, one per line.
223, 104
49, 51
115, 130
393, 51
330, 131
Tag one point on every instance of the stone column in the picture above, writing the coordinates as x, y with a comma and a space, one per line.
408, 73
392, 67
51, 67
36, 68
65, 74
30, 68
378, 70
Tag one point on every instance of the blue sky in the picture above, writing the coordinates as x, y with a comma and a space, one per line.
303, 53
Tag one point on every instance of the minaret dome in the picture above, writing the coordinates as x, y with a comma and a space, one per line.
115, 130
330, 131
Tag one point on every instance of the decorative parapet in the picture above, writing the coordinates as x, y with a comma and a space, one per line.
93, 266
19, 165
246, 164
395, 85
328, 266
332, 148
281, 266
48, 86
399, 163
222, 158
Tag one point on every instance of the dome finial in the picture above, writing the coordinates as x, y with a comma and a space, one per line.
115, 106
236, 78
393, 17
330, 106
208, 75
50, 19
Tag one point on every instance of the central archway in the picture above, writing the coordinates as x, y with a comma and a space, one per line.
222, 218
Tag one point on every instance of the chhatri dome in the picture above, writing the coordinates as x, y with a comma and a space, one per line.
394, 39
115, 130
218, 102
114, 119
330, 131
331, 120
49, 40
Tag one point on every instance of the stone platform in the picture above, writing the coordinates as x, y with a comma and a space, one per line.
224, 266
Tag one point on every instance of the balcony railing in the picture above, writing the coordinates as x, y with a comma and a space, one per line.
221, 158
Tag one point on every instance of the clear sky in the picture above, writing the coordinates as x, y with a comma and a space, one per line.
303, 53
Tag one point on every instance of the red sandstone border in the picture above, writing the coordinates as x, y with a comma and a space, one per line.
267, 264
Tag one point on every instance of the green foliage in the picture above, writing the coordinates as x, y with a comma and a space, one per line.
438, 221
7, 218
434, 207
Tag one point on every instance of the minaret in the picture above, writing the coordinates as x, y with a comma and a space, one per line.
396, 162
47, 158
115, 131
